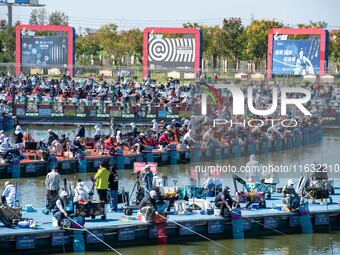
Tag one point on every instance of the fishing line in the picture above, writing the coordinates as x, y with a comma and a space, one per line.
94, 236
207, 238
329, 229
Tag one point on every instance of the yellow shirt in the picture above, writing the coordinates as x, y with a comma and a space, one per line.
102, 178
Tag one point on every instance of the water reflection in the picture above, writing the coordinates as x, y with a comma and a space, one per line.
268, 245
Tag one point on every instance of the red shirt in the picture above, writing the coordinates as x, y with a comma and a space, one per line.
163, 138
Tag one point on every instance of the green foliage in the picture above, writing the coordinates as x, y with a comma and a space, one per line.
233, 39
58, 18
257, 38
87, 45
38, 17
7, 45
334, 47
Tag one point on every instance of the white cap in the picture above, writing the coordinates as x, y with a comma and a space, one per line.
153, 194
6, 183
132, 124
290, 182
63, 193
154, 120
147, 167
50, 130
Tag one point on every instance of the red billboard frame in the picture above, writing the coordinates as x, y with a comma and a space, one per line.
159, 30
296, 31
70, 44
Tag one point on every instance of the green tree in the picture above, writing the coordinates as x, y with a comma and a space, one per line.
132, 42
212, 44
58, 18
38, 17
108, 39
257, 39
334, 48
7, 44
87, 45
233, 39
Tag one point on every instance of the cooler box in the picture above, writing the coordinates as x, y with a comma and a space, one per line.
180, 206
202, 203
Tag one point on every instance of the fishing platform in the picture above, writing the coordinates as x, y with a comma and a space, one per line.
118, 230
33, 166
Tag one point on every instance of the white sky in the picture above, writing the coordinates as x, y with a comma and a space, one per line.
173, 13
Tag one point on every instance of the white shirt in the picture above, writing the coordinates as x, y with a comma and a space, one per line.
9, 193
53, 180
2, 138
4, 147
155, 127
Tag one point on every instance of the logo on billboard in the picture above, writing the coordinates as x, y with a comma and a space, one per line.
171, 50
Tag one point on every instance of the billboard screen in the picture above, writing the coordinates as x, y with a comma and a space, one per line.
172, 49
171, 53
39, 51
297, 57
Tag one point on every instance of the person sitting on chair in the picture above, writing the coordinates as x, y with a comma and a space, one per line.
163, 141
110, 145
80, 194
120, 141
59, 211
9, 194
223, 200
188, 139
75, 146
42, 149
5, 148
290, 198
148, 206
63, 141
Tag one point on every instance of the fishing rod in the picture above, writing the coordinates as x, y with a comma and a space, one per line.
82, 227
193, 231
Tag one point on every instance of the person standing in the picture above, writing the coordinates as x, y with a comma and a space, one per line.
102, 182
148, 178
113, 186
18, 137
81, 131
51, 137
52, 182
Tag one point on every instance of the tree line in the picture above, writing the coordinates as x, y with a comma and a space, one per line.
232, 41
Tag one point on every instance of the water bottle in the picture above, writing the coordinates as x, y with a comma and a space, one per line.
252, 195
24, 224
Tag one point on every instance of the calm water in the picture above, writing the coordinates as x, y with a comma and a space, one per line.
33, 190
318, 244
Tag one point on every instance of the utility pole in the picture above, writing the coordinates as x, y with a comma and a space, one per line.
23, 3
